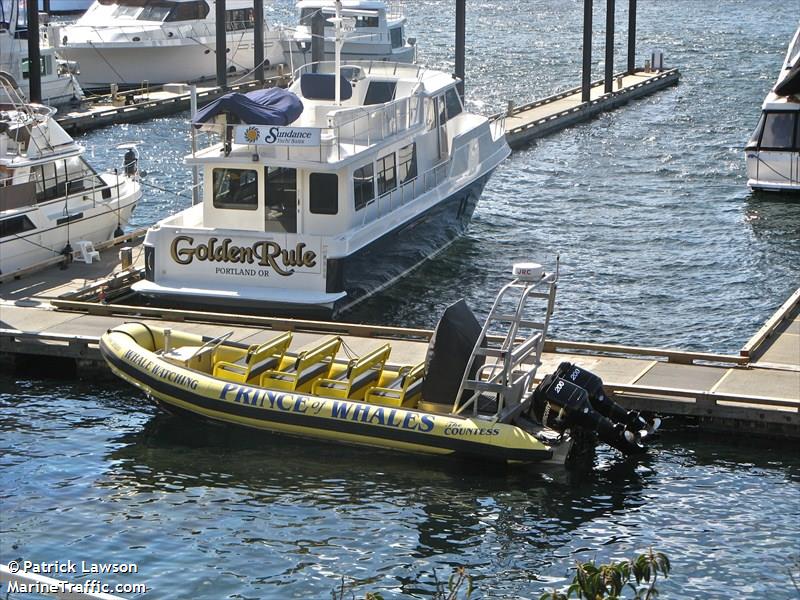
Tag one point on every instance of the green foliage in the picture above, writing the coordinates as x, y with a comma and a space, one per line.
608, 582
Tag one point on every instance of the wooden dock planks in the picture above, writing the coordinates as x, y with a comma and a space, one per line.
542, 117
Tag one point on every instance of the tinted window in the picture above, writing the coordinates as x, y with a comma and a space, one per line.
324, 193
387, 177
778, 130
407, 163
379, 92
280, 196
363, 186
452, 102
15, 226
366, 21
239, 19
188, 11
81, 177
397, 37
235, 188
753, 141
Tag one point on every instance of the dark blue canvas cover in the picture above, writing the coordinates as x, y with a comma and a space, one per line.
273, 106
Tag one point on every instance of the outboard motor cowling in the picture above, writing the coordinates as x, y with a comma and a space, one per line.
560, 404
600, 400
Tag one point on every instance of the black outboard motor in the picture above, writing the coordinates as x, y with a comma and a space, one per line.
560, 404
603, 403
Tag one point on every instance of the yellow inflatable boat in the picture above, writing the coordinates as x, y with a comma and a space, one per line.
474, 395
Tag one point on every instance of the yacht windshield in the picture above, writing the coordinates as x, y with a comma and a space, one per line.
5, 14
158, 10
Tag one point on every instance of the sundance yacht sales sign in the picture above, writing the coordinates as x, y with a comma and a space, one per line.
273, 135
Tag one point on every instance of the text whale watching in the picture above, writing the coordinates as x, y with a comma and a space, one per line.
340, 185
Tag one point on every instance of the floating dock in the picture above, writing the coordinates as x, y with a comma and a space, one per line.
542, 117
63, 313
523, 123
143, 104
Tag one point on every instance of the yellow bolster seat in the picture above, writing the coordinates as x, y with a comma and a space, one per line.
359, 373
309, 365
255, 361
402, 389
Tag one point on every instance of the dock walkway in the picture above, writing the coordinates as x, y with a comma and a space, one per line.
63, 313
542, 117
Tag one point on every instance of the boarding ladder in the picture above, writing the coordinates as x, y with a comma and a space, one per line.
509, 349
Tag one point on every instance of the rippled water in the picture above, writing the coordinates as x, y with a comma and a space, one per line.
661, 244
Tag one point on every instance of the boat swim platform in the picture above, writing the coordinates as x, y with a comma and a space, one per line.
756, 391
554, 113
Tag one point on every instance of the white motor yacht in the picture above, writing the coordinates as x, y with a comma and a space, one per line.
773, 152
316, 197
51, 200
128, 42
58, 83
376, 31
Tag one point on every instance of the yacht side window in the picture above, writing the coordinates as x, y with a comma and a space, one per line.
323, 193
778, 131
81, 177
452, 103
379, 92
397, 37
752, 143
155, 11
50, 182
15, 226
189, 11
407, 163
387, 175
235, 188
431, 108
239, 19
367, 20
363, 186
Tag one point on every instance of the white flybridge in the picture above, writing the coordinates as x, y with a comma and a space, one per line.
375, 30
317, 197
51, 200
773, 152
58, 84
127, 42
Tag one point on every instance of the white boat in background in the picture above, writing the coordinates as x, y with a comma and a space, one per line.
304, 214
376, 31
773, 151
128, 42
59, 84
51, 200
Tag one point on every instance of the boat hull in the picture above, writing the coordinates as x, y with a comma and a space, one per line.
24, 250
128, 64
352, 278
128, 351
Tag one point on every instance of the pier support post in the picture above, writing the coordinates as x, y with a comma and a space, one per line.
258, 39
317, 39
631, 36
609, 62
222, 45
461, 44
586, 79
34, 57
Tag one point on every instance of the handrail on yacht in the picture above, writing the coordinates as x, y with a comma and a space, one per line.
138, 32
366, 127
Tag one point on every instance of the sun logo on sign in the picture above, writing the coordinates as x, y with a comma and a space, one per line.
251, 135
